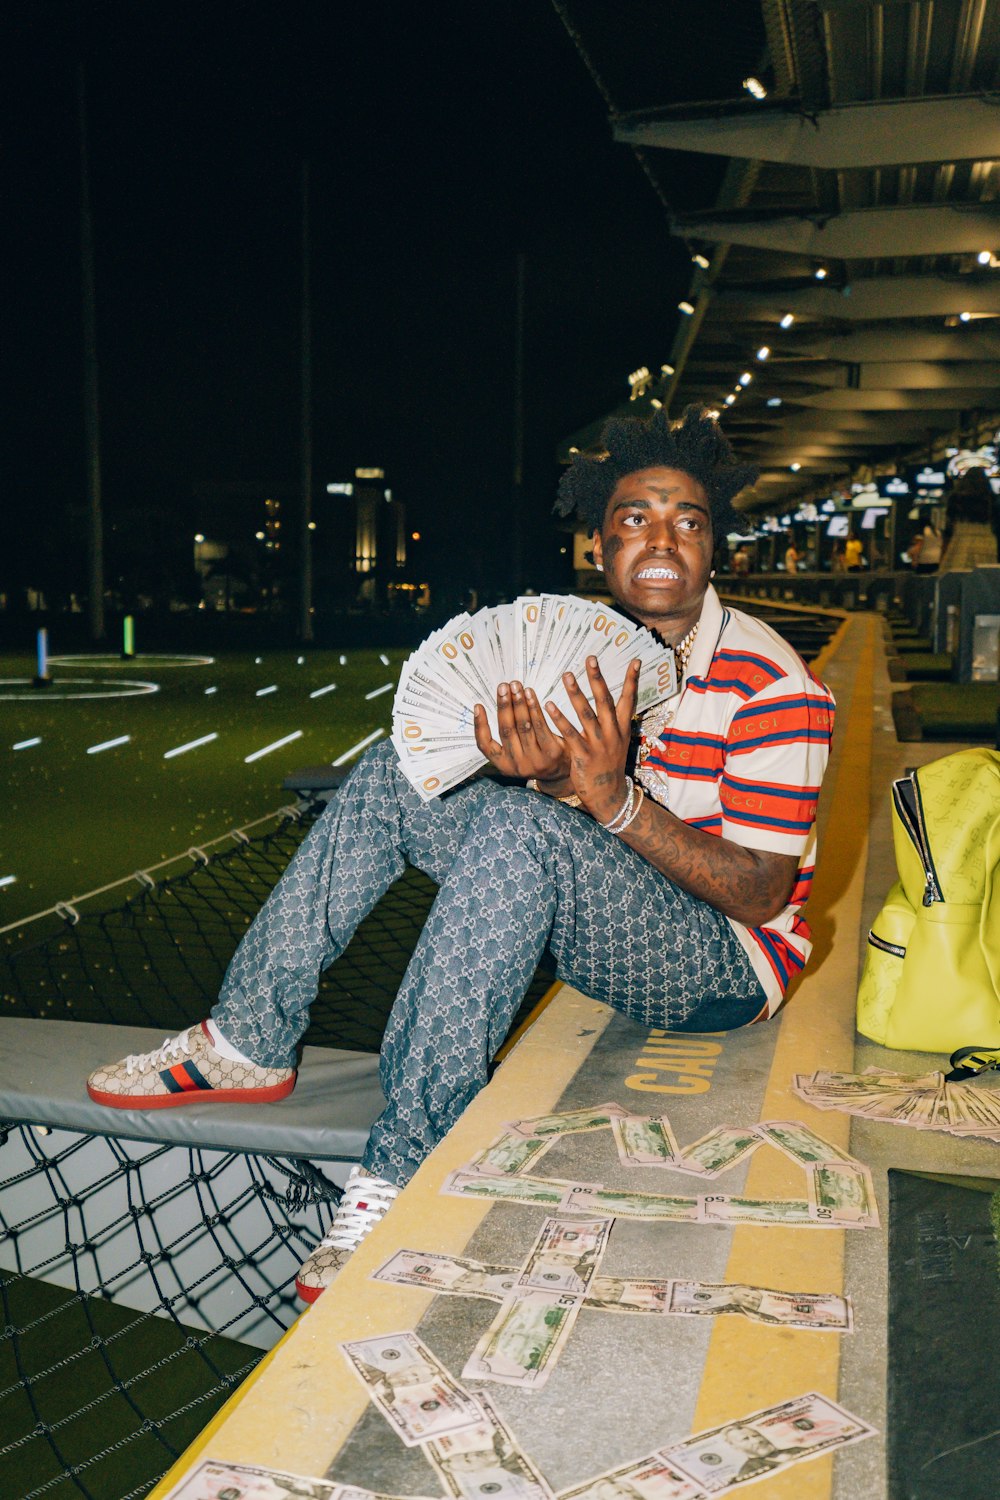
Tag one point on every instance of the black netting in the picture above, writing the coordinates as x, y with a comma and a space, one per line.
158, 959
141, 1283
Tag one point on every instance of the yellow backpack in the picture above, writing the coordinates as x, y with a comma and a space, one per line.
931, 978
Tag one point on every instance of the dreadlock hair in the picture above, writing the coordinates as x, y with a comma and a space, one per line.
695, 445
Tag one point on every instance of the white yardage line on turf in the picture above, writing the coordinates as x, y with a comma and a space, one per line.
206, 739
383, 658
297, 735
211, 690
8, 879
263, 692
26, 744
377, 692
122, 739
361, 745
320, 691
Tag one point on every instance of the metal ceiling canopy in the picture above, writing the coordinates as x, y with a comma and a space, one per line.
869, 133
892, 343
966, 399
856, 234
867, 298
859, 234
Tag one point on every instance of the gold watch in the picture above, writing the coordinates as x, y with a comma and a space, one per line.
571, 801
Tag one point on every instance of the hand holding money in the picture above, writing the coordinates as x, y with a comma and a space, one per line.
531, 645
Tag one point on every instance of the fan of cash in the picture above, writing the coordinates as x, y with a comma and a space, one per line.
533, 641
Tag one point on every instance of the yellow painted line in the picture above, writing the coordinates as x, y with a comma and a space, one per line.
529, 1020
750, 1366
301, 1403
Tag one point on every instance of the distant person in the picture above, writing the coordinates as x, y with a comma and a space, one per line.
970, 539
853, 553
925, 549
838, 562
665, 871
741, 562
792, 557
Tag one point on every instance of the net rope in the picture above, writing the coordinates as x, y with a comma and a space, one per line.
141, 1283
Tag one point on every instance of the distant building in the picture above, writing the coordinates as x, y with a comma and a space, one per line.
374, 525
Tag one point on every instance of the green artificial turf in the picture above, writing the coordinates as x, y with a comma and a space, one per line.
959, 710
103, 1380
71, 822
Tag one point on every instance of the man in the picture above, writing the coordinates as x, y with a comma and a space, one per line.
674, 895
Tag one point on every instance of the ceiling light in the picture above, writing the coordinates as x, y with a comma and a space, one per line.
713, 414
701, 260
984, 257
746, 378
795, 467
755, 87
666, 369
654, 402
964, 317
821, 273
730, 400
685, 307
764, 351
786, 320
774, 400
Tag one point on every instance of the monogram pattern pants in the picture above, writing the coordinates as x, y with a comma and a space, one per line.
517, 871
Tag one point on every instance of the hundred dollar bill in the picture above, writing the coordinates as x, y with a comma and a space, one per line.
570, 1122
566, 1255
800, 1143
717, 1151
510, 1154
651, 1478
765, 1442
544, 1192
643, 1141
525, 1339
844, 1194
485, 1460
820, 1310
212, 1480
410, 1386
450, 1274
589, 1198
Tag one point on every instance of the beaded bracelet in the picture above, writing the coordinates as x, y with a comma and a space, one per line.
624, 813
633, 814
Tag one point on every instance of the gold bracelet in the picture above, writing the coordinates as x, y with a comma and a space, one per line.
571, 801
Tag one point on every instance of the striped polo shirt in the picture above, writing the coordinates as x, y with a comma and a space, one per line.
744, 757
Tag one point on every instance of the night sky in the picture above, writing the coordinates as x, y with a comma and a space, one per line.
443, 140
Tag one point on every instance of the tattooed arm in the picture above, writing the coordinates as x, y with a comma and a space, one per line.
749, 885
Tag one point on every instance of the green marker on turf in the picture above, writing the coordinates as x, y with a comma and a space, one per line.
128, 638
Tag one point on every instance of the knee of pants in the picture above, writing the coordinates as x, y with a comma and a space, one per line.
515, 813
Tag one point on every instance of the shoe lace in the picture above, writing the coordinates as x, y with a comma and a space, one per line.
365, 1202
172, 1047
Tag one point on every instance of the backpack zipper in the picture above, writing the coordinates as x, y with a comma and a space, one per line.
894, 948
911, 815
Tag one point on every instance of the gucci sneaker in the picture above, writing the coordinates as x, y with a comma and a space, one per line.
187, 1069
366, 1200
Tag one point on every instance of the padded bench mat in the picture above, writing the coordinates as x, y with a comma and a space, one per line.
44, 1066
